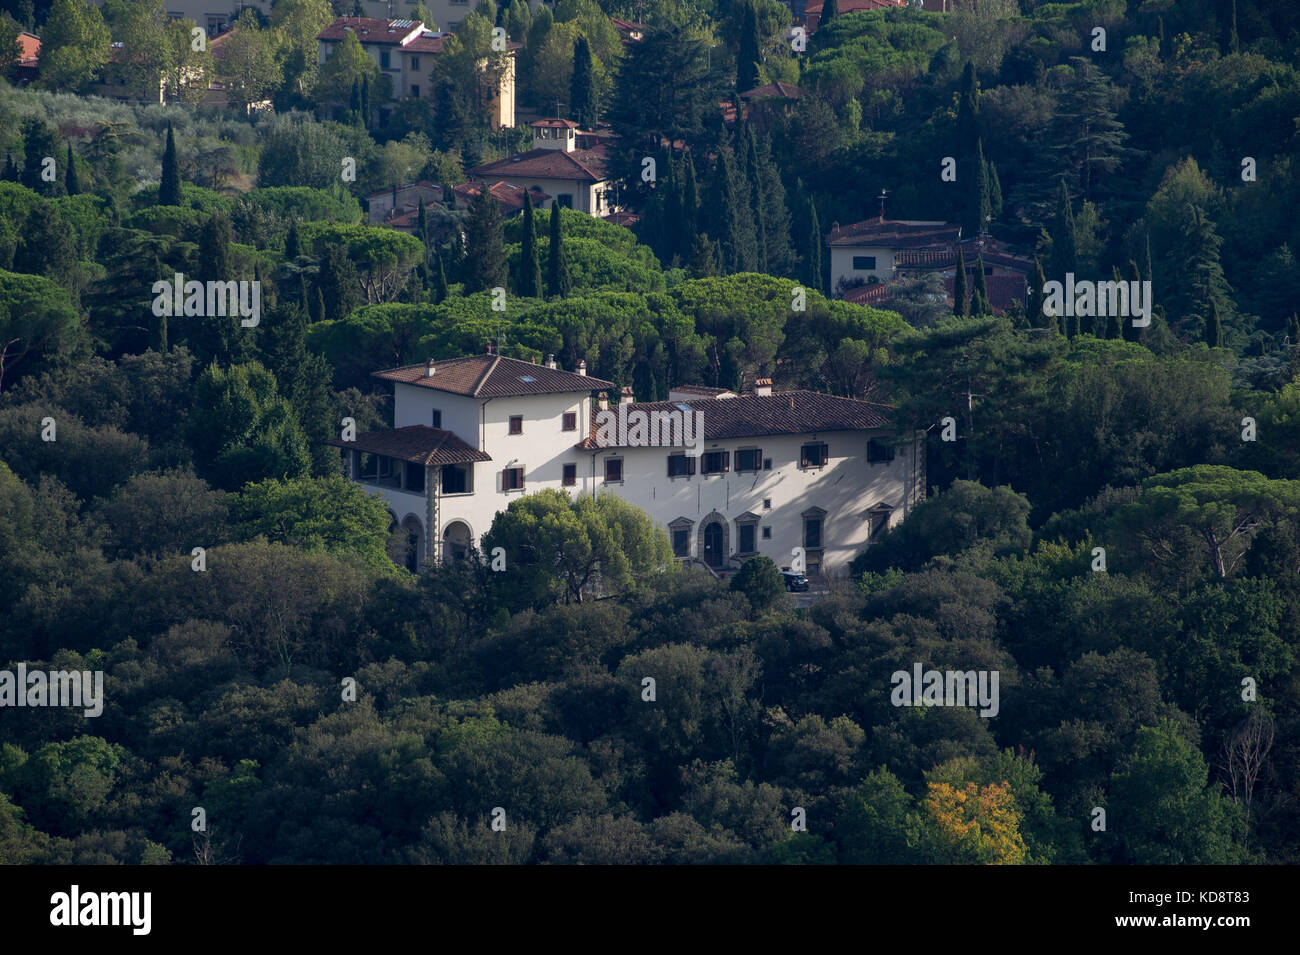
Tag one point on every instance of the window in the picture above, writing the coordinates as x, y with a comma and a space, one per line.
570, 421
457, 479
516, 424
749, 460
813, 455
879, 517
369, 466
680, 465
715, 462
812, 533
767, 464
865, 263
415, 477
767, 503
564, 200
383, 59
682, 542
437, 417
415, 91
512, 479
767, 533
613, 470
746, 534
680, 532
415, 65
879, 451
570, 475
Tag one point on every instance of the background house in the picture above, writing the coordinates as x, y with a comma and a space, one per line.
565, 163
404, 51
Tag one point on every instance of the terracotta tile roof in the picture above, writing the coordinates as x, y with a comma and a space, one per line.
417, 443
1003, 290
704, 391
778, 90
427, 43
623, 218
868, 294
554, 123
509, 196
30, 45
494, 376
786, 412
895, 234
371, 30
584, 165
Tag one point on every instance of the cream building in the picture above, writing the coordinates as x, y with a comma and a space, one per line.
775, 471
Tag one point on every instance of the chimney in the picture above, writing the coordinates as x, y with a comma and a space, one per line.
582, 366
429, 369
487, 348
602, 401
762, 387
626, 394
550, 361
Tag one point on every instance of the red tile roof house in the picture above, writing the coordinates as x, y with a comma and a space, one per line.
557, 166
868, 257
404, 50
510, 198
813, 10
793, 475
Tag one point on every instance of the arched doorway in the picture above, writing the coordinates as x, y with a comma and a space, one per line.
414, 543
456, 539
715, 545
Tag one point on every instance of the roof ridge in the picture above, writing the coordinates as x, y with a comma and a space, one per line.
487, 373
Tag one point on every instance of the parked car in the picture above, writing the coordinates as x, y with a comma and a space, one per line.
795, 582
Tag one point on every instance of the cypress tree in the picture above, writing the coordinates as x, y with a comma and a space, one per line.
292, 244
169, 189
1064, 252
338, 287
70, 183
529, 283
485, 251
214, 262
749, 58
354, 102
557, 269
755, 174
1127, 331
582, 87
829, 9
1035, 308
978, 204
980, 293
1115, 323
959, 286
11, 168
422, 224
365, 102
776, 215
1213, 326
813, 267
449, 197
439, 279
995, 190
690, 201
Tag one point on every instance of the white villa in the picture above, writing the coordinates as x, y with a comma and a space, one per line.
775, 471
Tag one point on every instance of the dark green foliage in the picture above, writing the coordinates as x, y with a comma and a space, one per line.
529, 281
558, 282
485, 254
169, 188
